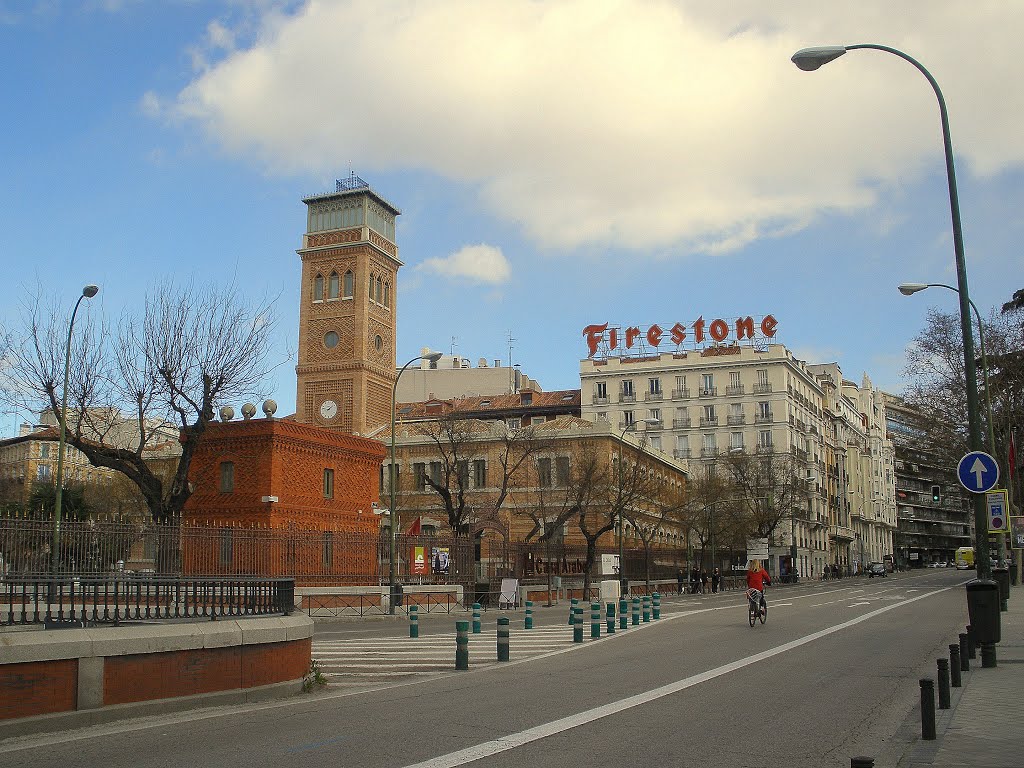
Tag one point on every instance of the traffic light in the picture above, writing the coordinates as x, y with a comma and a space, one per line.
935, 494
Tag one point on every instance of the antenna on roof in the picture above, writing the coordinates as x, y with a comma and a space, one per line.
511, 370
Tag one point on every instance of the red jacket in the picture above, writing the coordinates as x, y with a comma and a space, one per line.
757, 579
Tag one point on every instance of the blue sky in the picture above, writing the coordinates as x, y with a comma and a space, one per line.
557, 163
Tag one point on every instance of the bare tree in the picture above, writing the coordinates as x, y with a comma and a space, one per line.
660, 502
770, 487
706, 509
159, 377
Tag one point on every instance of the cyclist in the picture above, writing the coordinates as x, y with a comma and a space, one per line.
757, 577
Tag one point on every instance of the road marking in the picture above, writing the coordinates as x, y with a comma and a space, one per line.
862, 602
513, 740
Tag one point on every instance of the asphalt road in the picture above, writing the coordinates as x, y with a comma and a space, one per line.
832, 674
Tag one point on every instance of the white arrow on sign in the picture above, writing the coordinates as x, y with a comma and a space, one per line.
978, 469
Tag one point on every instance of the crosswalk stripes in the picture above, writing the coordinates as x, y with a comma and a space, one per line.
358, 660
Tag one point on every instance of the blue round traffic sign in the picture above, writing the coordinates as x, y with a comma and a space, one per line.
977, 472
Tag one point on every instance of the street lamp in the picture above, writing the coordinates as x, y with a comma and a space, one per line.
810, 59
432, 357
622, 437
909, 289
87, 293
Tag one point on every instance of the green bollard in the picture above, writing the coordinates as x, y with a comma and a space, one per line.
462, 644
623, 609
611, 618
503, 638
528, 621
647, 608
573, 602
414, 621
595, 620
577, 624
476, 618
636, 611
657, 605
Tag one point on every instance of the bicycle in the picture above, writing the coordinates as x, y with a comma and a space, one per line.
756, 607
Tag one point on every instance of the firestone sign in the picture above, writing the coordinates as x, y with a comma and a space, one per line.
699, 331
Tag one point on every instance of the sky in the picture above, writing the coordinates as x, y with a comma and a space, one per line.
557, 164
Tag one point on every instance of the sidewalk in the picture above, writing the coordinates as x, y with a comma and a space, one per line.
982, 729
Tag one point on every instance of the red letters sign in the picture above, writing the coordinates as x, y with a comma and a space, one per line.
698, 332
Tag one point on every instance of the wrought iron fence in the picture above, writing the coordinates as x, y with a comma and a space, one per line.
112, 600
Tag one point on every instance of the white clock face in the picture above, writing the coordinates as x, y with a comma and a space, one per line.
329, 409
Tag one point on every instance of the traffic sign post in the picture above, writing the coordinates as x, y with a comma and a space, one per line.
998, 512
977, 472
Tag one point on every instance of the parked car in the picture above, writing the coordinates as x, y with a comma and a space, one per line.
876, 569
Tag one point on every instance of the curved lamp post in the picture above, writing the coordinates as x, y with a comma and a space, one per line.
432, 357
810, 59
87, 293
622, 437
909, 289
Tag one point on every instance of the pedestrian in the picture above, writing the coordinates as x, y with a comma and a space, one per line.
694, 580
679, 581
704, 581
716, 580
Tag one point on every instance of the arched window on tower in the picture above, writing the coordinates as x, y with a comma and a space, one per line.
332, 286
318, 288
387, 295
380, 290
349, 284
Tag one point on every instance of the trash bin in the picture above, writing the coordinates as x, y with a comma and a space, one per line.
1002, 578
983, 608
396, 595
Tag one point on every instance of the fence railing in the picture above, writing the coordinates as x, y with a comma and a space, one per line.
90, 601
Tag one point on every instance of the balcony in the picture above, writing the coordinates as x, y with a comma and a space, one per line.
598, 400
709, 392
654, 426
649, 396
762, 389
624, 398
709, 422
681, 453
840, 533
678, 394
734, 420
762, 418
734, 389
708, 452
681, 423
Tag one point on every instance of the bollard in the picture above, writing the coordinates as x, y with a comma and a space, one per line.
595, 620
572, 609
476, 618
611, 618
972, 646
943, 665
657, 606
988, 656
927, 709
503, 638
528, 621
577, 624
862, 762
647, 608
955, 679
623, 608
414, 621
636, 611
965, 659
462, 644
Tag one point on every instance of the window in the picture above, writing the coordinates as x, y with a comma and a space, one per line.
656, 442
655, 414
514, 423
227, 476
373, 283
602, 416
762, 376
734, 378
44, 451
683, 444
42, 472
764, 410
480, 473
709, 444
544, 473
736, 411
627, 418
736, 440
654, 386
627, 388
350, 284
332, 286
601, 390
397, 468
562, 471
435, 472
709, 414
707, 382
764, 438
419, 475
318, 288
328, 483
680, 383
387, 294
331, 339
462, 469
380, 291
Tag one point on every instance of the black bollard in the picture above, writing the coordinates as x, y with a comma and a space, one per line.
972, 646
954, 665
988, 655
965, 657
943, 665
862, 762
927, 709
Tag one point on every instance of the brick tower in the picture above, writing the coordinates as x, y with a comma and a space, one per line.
347, 309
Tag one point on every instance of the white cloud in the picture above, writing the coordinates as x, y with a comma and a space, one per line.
150, 104
658, 124
480, 263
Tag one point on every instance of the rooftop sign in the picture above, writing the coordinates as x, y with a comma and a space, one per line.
608, 339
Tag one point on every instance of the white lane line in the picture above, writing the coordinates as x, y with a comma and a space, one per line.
513, 740
854, 605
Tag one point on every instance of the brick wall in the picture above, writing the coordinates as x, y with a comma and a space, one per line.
38, 688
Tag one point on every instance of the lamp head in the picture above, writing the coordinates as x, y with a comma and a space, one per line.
433, 357
809, 59
909, 289
90, 290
